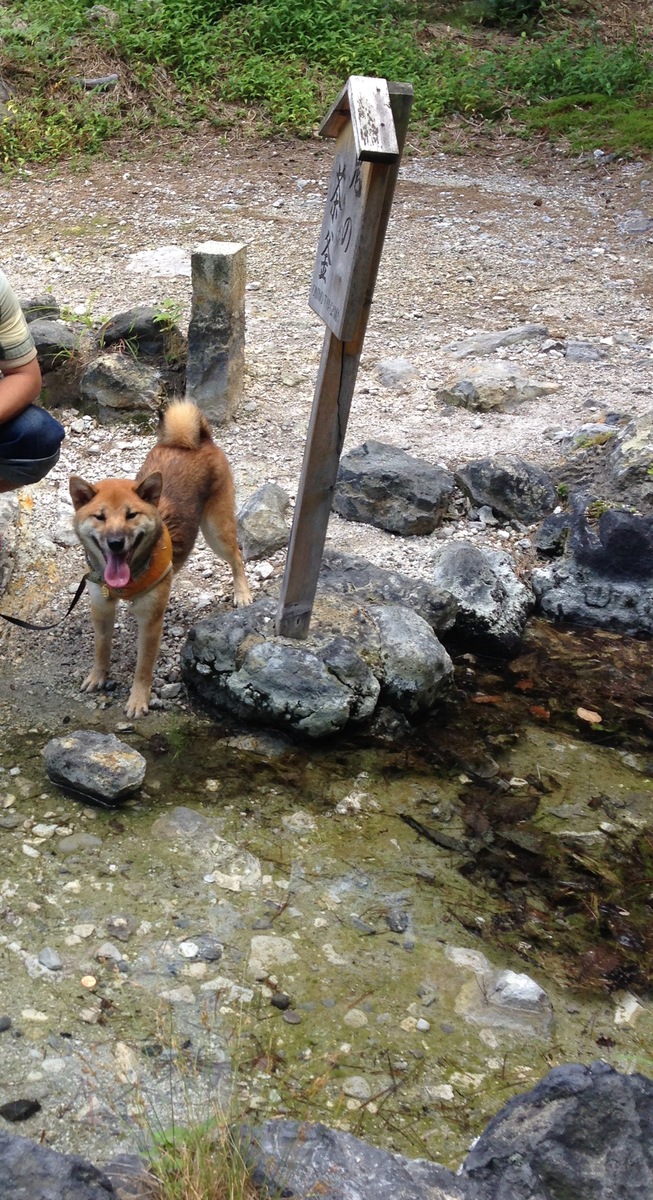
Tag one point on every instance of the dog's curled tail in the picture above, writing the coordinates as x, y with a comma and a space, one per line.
183, 425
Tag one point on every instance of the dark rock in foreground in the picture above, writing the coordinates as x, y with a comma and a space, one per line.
604, 576
33, 1172
583, 1132
382, 486
493, 604
98, 765
303, 1160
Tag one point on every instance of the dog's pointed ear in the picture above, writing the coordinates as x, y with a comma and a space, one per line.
150, 488
81, 492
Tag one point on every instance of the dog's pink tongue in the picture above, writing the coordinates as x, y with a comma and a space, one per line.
116, 572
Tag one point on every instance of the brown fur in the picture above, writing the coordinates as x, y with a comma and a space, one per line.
186, 483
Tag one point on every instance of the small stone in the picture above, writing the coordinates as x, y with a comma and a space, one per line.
19, 1110
397, 920
357, 1087
291, 1017
189, 949
422, 1025
107, 951
281, 1001
85, 930
50, 959
120, 927
5, 1024
355, 1018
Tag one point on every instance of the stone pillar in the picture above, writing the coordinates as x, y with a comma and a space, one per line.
216, 333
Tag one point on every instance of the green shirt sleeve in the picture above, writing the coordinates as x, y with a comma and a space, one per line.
16, 343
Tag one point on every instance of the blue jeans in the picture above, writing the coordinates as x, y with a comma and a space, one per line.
29, 446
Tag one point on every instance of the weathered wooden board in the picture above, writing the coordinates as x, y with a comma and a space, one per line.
365, 102
334, 389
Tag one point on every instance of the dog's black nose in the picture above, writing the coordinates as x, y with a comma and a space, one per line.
116, 544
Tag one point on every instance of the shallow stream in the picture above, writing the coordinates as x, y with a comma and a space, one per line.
321, 934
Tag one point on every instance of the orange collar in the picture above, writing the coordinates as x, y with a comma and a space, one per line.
159, 565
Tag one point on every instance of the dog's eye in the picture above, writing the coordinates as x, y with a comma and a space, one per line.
100, 517
130, 516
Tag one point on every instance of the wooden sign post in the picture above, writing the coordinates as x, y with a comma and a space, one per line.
369, 120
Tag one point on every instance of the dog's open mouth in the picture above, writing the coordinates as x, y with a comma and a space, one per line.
117, 573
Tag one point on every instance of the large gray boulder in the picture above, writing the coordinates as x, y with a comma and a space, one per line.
604, 576
115, 384
318, 686
493, 604
583, 1133
514, 489
416, 667
497, 386
29, 1171
382, 486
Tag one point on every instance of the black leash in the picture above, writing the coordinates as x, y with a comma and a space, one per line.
28, 624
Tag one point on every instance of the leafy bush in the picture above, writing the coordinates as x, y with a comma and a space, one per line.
180, 60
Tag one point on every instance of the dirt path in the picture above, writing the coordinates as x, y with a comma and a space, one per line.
474, 244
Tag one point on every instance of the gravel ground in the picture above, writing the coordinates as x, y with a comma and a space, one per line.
475, 244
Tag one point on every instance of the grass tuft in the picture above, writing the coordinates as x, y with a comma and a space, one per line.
200, 1162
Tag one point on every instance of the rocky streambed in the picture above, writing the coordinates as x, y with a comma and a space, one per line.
392, 936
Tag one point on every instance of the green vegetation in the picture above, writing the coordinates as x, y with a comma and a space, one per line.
276, 65
200, 1160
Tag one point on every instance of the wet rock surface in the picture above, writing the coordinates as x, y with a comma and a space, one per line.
493, 604
96, 765
603, 570
351, 658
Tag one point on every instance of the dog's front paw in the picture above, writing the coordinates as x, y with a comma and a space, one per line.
242, 596
138, 703
94, 682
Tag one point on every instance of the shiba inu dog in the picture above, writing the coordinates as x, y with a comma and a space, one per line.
138, 533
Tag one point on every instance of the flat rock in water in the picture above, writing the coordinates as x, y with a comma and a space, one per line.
98, 765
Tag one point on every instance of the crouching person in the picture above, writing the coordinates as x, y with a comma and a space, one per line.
30, 438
